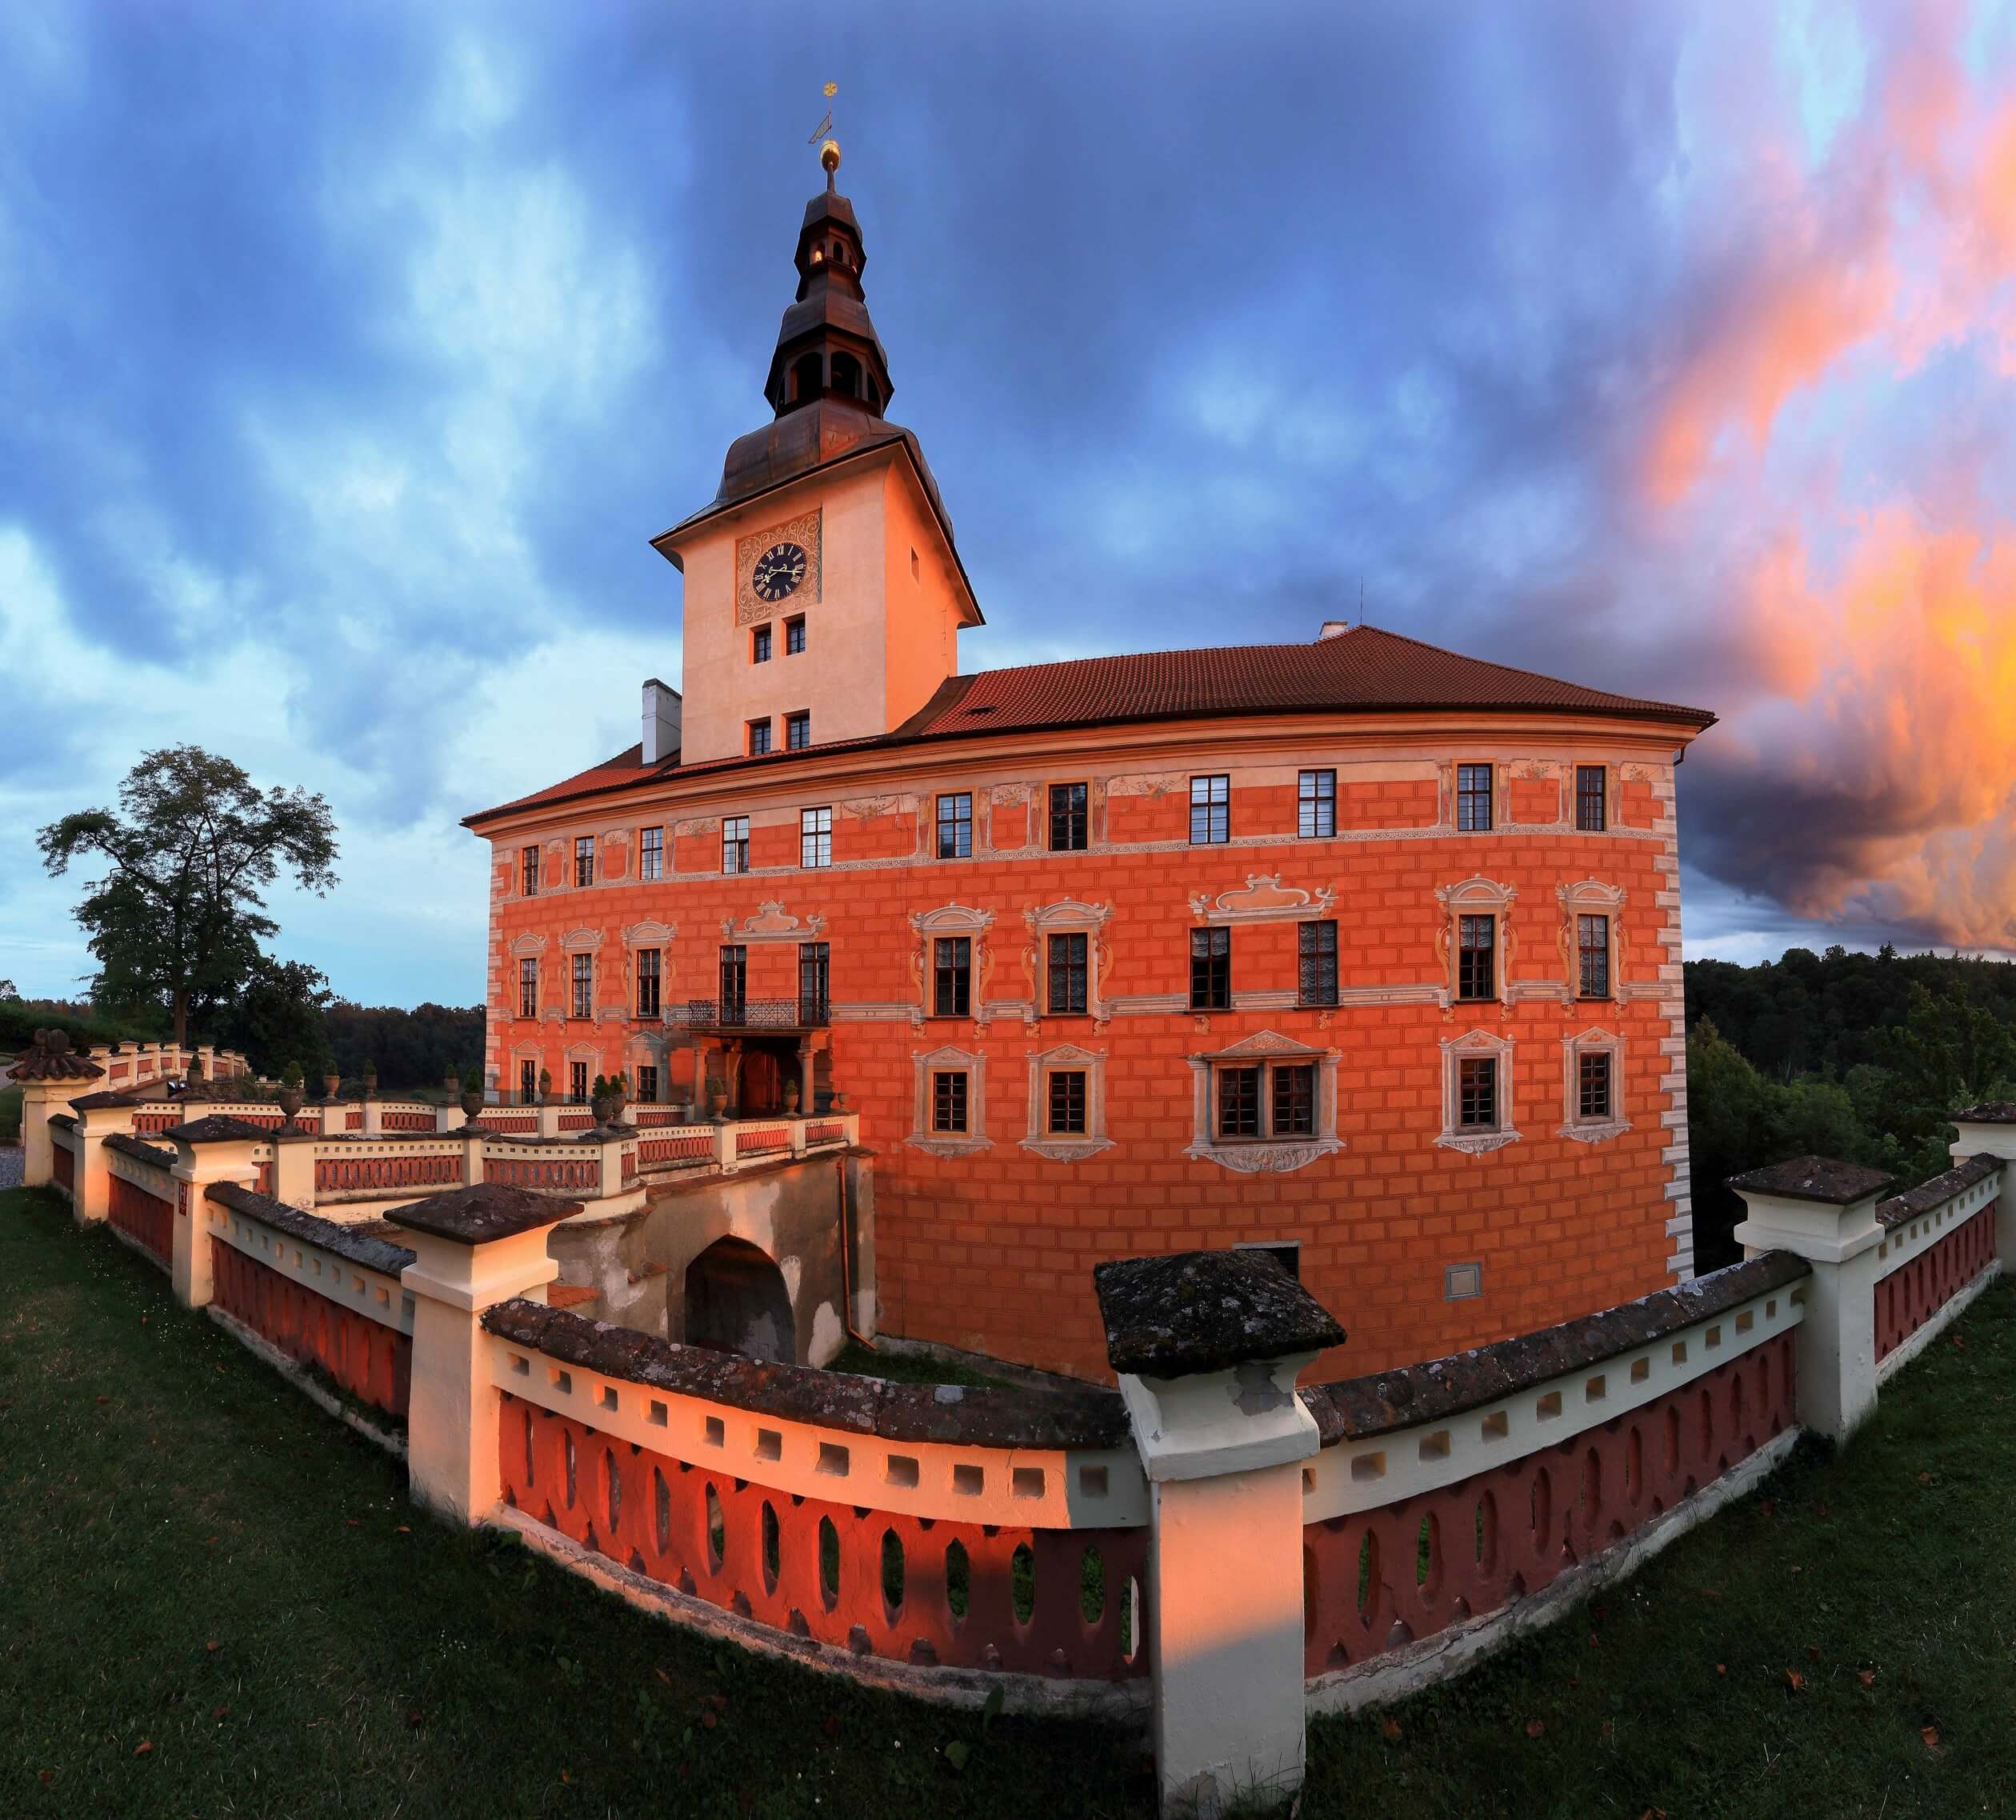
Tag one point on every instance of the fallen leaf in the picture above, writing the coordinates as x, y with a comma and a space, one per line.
107, 1400
718, 1702
49, 1775
956, 1752
220, 1712
212, 1645
1721, 1668
144, 1749
1711, 1592
412, 1719
662, 1676
353, 1523
1813, 1651
1595, 1642
207, 1540
1389, 1730
564, 1777
1819, 1509
709, 1720
1769, 1508
1795, 1681
1930, 1734
1925, 1479
403, 1529
1866, 1676
1535, 1727
832, 1726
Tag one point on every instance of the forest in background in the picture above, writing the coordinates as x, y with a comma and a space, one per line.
1858, 1056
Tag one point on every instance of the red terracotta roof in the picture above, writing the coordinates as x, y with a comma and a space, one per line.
1363, 670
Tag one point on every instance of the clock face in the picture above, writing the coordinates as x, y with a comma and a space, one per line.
778, 571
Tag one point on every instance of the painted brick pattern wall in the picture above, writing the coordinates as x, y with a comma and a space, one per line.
993, 1250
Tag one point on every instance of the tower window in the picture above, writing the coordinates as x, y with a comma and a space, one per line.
798, 731
759, 645
846, 375
794, 635
759, 737
808, 378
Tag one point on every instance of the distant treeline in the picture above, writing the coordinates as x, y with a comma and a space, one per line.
1857, 1056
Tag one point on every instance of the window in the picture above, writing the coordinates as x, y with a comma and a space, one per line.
647, 983
1592, 810
1592, 952
814, 961
759, 645
955, 826
952, 976
1066, 973
584, 985
1069, 827
528, 987
1210, 969
578, 1081
528, 872
949, 1101
794, 635
1210, 811
585, 860
1294, 1100
1593, 1085
1316, 963
1316, 804
528, 1083
651, 854
647, 1083
798, 731
759, 737
1066, 1103
815, 837
1473, 797
1476, 973
735, 843
735, 983
1238, 1102
1477, 1104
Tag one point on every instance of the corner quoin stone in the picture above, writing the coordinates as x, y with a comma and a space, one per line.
1196, 1311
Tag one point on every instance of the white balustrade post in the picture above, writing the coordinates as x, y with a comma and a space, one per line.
472, 1248
727, 1156
215, 1148
99, 1116
1207, 1345
373, 1117
1990, 1131
1824, 1212
294, 1170
550, 1110
51, 1075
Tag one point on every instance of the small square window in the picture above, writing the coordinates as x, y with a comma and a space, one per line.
794, 636
1473, 797
735, 843
1316, 804
1592, 808
1462, 1282
759, 645
1210, 811
1069, 829
955, 826
798, 731
759, 737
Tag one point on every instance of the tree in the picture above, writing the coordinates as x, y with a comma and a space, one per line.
276, 1017
178, 918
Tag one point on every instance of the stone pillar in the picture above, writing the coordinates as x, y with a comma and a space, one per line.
472, 1248
1824, 1212
373, 1117
1990, 1131
550, 1110
294, 1169
51, 1077
99, 1116
215, 1148
1207, 1345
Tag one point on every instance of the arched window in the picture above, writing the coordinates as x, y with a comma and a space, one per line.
846, 375
807, 379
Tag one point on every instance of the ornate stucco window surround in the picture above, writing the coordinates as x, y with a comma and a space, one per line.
950, 923
1595, 1130
1476, 896
636, 937
1059, 1146
1590, 897
1473, 1137
926, 1066
1270, 1151
1068, 916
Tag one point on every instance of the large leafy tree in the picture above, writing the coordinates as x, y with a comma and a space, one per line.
178, 917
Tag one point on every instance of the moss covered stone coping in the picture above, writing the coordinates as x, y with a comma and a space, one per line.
141, 1151
1814, 1178
952, 1413
359, 1246
1927, 1195
1988, 1112
1192, 1311
486, 1211
1356, 1409
219, 1128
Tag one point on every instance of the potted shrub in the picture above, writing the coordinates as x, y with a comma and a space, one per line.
332, 1081
605, 1100
371, 1078
717, 1097
290, 1095
546, 1087
472, 1089
791, 1091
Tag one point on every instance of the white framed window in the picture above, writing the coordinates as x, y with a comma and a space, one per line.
1474, 939
528, 872
951, 961
584, 859
815, 837
1477, 1093
584, 985
1067, 1103
1210, 823
1316, 804
1265, 1105
949, 1102
735, 843
1068, 953
1592, 1087
1591, 939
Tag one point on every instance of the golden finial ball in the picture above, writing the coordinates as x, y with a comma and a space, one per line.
830, 156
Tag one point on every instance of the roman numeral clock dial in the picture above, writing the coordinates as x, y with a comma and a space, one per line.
778, 571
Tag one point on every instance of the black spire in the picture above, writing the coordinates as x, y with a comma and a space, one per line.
826, 346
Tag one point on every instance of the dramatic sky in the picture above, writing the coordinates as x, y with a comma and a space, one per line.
350, 354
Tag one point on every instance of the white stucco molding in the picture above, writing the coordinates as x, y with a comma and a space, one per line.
1266, 1155
1455, 1050
1264, 899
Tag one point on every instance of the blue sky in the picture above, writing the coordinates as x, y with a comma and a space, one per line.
351, 356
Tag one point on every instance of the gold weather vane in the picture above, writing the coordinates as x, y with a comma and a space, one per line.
825, 125
830, 152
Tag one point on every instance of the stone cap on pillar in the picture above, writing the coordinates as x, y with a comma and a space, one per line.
1814, 1178
92, 1102
1189, 1312
482, 1213
219, 1128
50, 1057
1988, 1112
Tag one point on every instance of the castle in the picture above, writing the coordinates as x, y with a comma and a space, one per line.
1358, 950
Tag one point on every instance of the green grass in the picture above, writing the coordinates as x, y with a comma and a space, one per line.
907, 1368
370, 1660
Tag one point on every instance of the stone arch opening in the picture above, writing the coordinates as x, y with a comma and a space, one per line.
736, 1302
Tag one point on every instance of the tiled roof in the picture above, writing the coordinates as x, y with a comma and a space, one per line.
1364, 670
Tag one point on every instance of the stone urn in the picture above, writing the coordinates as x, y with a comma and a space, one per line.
717, 1100
607, 1109
472, 1104
791, 1091
332, 1084
370, 1080
291, 1100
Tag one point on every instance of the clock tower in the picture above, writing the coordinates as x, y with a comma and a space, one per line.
824, 593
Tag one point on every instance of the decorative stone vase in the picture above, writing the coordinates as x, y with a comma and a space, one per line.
791, 1091
370, 1080
608, 1109
472, 1104
331, 1085
291, 1099
717, 1100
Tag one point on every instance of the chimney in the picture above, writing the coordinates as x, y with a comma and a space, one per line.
660, 721
1333, 629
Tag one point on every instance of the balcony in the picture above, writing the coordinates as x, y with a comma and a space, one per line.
739, 1015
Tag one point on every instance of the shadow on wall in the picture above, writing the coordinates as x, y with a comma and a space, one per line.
736, 1301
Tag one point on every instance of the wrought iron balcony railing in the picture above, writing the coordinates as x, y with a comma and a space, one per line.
751, 1014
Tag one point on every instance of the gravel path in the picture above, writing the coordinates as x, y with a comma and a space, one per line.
10, 1166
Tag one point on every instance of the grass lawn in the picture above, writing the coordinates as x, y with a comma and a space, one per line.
204, 1564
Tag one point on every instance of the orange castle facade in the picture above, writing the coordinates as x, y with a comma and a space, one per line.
1357, 948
